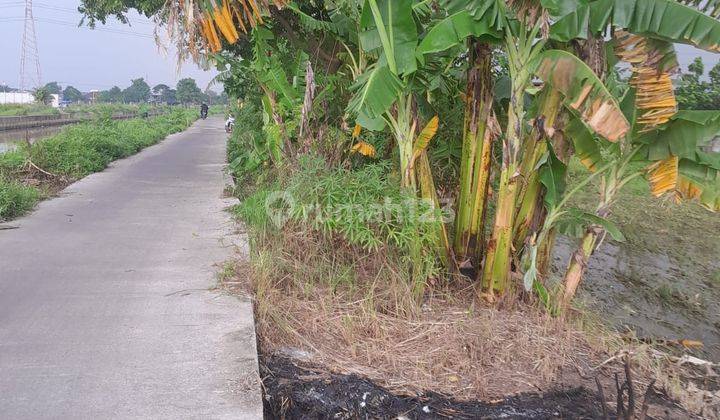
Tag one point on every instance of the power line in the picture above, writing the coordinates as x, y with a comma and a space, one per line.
73, 25
53, 8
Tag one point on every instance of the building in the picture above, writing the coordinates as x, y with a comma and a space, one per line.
16, 98
20, 98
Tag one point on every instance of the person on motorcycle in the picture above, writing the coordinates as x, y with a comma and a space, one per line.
230, 123
203, 110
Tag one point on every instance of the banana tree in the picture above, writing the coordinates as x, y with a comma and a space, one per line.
651, 105
481, 25
383, 94
521, 27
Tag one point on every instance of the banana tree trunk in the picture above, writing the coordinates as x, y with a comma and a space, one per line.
579, 259
498, 255
404, 133
429, 194
476, 157
545, 253
531, 210
578, 265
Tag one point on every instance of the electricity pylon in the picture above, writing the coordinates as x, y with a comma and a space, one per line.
30, 76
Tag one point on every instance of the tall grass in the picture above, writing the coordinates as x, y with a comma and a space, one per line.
12, 110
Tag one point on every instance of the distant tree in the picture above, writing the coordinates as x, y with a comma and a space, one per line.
137, 92
159, 89
72, 94
715, 74
53, 88
112, 95
98, 11
188, 92
6, 88
211, 97
170, 97
696, 68
163, 93
694, 93
43, 96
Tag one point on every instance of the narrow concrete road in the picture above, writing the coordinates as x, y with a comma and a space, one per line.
106, 307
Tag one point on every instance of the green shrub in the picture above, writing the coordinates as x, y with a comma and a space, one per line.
16, 199
363, 206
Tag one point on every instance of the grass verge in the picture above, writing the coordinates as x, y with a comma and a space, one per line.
36, 171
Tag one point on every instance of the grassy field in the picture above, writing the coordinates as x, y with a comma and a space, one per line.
12, 110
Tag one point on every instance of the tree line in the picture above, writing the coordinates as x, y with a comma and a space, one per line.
139, 91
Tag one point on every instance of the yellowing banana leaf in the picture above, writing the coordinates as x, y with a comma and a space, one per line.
364, 148
663, 176
427, 133
584, 93
587, 148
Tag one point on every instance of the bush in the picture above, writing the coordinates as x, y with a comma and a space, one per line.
16, 199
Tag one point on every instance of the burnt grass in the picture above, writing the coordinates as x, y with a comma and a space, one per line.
294, 392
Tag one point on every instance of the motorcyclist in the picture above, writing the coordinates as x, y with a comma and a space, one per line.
229, 123
203, 110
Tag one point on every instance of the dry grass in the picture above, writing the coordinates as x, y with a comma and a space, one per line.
329, 305
356, 315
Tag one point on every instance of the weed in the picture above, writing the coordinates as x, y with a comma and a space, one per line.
16, 199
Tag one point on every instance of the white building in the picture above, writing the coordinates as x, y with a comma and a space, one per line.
16, 98
24, 98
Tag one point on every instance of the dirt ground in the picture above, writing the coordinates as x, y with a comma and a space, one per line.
663, 283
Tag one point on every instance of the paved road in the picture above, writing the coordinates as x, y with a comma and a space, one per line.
105, 307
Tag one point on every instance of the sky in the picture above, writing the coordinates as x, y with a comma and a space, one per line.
115, 53
112, 54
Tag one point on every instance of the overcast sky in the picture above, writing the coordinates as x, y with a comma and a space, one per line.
115, 53
88, 59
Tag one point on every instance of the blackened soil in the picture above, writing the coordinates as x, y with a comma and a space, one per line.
293, 392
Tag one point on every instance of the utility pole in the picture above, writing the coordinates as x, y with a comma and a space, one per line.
30, 76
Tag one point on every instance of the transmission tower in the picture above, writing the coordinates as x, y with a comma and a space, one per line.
30, 59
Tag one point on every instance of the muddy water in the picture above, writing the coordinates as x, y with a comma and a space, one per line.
10, 139
654, 295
